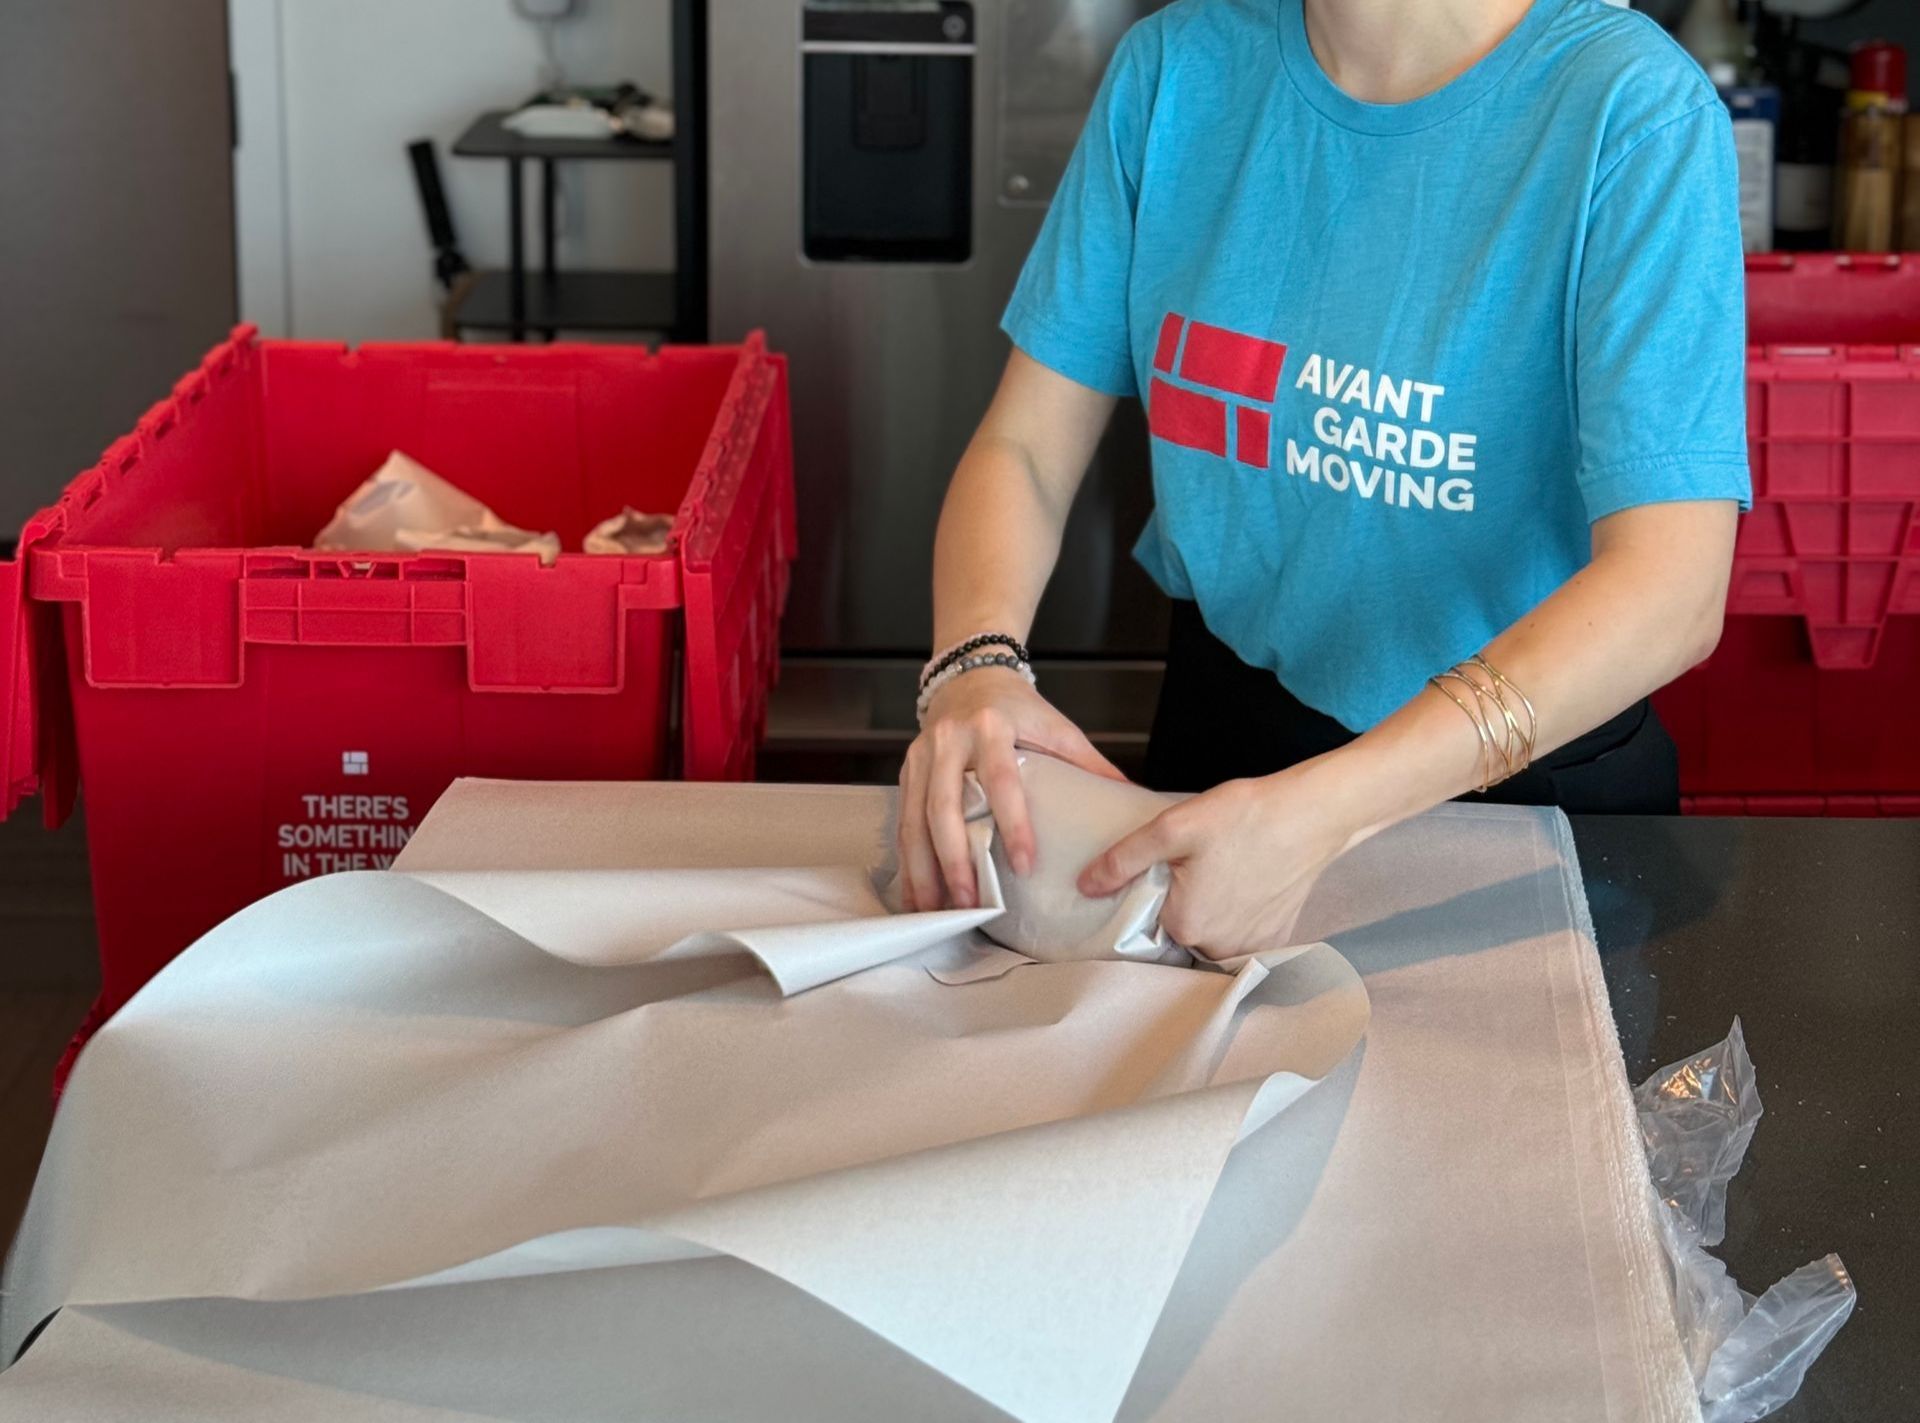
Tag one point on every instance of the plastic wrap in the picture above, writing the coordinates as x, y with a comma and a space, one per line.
1748, 1356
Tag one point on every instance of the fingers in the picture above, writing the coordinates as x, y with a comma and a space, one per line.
999, 773
1159, 840
1177, 921
936, 857
919, 871
946, 821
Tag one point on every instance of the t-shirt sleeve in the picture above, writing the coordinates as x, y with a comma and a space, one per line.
1660, 325
1069, 308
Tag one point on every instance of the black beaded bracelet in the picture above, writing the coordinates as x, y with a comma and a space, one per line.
973, 644
973, 663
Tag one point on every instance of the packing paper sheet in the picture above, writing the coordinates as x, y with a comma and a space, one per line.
413, 1146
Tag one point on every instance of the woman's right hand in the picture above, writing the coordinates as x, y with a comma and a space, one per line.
977, 723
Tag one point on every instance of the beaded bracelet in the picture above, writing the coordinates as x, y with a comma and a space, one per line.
959, 669
941, 661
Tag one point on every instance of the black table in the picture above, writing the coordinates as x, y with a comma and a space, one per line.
580, 301
1809, 930
489, 137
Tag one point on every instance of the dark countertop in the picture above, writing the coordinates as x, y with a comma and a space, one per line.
1809, 930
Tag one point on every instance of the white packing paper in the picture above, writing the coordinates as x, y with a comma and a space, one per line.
458, 1076
374, 1075
1076, 815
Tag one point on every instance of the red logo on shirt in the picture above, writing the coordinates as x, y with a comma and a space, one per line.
1227, 361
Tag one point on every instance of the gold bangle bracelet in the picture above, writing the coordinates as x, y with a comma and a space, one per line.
1514, 740
1506, 748
1500, 679
1479, 726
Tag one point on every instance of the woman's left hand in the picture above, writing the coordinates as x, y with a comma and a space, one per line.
1244, 856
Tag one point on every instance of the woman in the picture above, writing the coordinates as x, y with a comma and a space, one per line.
1436, 309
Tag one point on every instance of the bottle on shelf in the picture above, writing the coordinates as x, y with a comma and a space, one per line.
1868, 209
1809, 133
1724, 40
1909, 238
1712, 33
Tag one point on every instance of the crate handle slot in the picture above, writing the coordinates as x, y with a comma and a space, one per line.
1864, 261
357, 568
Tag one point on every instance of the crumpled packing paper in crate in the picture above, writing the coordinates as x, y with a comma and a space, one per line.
622, 1101
630, 532
404, 507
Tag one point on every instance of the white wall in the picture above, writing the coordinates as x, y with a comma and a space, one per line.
332, 241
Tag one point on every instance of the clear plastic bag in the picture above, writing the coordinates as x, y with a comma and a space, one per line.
1748, 1355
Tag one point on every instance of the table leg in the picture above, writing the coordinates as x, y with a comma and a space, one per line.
549, 199
516, 252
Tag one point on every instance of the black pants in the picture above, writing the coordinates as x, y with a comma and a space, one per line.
1221, 720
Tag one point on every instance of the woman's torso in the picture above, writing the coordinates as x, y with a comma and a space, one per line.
1402, 476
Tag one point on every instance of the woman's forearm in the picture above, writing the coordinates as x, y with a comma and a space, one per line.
1000, 528
999, 538
1645, 609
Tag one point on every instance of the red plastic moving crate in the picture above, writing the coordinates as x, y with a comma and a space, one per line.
1860, 807
243, 712
1813, 696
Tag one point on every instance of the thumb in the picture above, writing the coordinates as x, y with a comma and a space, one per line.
1153, 843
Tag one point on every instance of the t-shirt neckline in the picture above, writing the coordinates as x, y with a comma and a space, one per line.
1333, 102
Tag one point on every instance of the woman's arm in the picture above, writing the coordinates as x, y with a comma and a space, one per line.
999, 538
1645, 609
1000, 527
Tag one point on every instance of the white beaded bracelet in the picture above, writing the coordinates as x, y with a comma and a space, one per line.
959, 669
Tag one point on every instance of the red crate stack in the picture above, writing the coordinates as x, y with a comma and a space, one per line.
1809, 705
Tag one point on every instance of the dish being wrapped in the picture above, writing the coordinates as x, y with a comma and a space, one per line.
1075, 815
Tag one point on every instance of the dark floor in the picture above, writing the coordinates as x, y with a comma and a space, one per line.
48, 976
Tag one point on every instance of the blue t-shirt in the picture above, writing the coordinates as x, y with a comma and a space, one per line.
1396, 358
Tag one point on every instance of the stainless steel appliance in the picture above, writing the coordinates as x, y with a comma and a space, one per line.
878, 172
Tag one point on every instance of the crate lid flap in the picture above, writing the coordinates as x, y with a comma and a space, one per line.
19, 775
738, 542
37, 752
